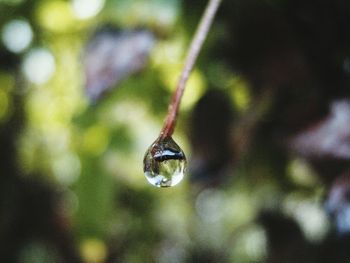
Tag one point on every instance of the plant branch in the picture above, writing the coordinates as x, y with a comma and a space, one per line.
195, 47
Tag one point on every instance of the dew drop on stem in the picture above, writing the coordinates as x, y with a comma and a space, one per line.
164, 163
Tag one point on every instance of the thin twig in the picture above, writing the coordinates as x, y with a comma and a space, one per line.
196, 44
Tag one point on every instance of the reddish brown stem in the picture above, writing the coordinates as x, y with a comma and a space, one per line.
196, 44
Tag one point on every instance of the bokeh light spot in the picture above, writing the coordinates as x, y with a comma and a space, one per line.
240, 93
93, 250
255, 244
195, 89
195, 85
56, 16
310, 216
17, 35
84, 9
210, 205
38, 65
67, 168
301, 173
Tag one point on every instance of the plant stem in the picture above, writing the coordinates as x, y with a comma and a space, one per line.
196, 44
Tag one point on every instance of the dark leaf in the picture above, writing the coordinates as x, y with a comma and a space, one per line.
210, 138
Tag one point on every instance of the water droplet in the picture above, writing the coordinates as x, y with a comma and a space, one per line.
164, 163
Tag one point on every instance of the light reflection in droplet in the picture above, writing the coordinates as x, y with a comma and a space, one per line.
84, 9
38, 65
17, 35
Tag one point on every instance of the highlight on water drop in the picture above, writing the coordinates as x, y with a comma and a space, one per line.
164, 164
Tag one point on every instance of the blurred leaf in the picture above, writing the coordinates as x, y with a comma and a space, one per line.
329, 138
113, 55
337, 203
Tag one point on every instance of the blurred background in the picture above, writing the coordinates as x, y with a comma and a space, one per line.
264, 123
